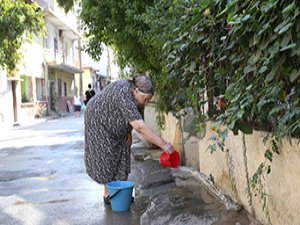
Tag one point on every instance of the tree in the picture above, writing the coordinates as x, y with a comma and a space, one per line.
198, 51
16, 18
67, 5
120, 25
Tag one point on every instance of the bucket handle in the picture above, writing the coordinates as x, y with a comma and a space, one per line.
114, 194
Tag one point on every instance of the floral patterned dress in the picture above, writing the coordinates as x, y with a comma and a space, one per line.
107, 117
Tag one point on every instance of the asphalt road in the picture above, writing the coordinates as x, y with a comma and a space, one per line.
43, 182
43, 179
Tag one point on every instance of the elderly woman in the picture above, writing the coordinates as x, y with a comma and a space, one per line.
109, 119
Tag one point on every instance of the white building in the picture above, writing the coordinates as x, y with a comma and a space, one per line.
46, 74
52, 70
100, 73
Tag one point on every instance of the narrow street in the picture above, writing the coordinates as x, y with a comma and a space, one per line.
43, 182
43, 179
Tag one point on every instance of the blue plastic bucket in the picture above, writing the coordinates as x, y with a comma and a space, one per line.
120, 194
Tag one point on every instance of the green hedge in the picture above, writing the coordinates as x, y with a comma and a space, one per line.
240, 57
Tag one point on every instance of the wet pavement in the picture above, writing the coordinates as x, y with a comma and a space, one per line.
182, 196
43, 182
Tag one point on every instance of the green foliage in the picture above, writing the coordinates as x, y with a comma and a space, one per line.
16, 17
258, 185
67, 5
242, 54
117, 23
265, 50
245, 53
218, 140
26, 98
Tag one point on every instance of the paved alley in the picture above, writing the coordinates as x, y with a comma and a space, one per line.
43, 182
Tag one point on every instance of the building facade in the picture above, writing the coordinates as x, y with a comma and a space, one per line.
45, 79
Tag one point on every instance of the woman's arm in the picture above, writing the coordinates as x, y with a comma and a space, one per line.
141, 127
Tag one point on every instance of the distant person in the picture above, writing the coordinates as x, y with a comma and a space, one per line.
89, 94
77, 105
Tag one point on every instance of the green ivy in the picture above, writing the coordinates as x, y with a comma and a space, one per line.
245, 53
233, 61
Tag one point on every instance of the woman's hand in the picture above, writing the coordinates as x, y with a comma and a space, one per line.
168, 148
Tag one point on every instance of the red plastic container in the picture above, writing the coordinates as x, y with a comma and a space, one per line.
170, 160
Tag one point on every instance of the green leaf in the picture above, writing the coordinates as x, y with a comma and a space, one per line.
200, 38
264, 43
294, 75
249, 87
222, 58
206, 41
269, 169
263, 69
235, 98
249, 69
235, 130
266, 61
266, 6
296, 50
193, 66
269, 155
264, 28
229, 92
183, 47
255, 57
245, 18
280, 26
234, 22
274, 48
286, 39
270, 76
289, 8
288, 47
240, 114
244, 127
285, 28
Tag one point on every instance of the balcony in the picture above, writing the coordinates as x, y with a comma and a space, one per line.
53, 57
55, 61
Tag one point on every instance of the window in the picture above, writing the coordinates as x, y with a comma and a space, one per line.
55, 45
59, 87
26, 89
66, 52
40, 89
65, 89
47, 42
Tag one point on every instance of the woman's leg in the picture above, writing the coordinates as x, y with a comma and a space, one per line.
106, 195
105, 190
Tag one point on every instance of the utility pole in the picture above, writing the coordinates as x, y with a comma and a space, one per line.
80, 67
77, 13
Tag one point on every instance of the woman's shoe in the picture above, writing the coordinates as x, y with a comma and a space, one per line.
106, 200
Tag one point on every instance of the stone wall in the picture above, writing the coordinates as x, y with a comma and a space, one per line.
232, 170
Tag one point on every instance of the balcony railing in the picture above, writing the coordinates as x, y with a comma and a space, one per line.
53, 57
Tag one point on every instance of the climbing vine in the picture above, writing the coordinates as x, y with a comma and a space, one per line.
242, 53
232, 61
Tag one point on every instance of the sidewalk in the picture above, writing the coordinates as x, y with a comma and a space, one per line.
30, 122
180, 196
